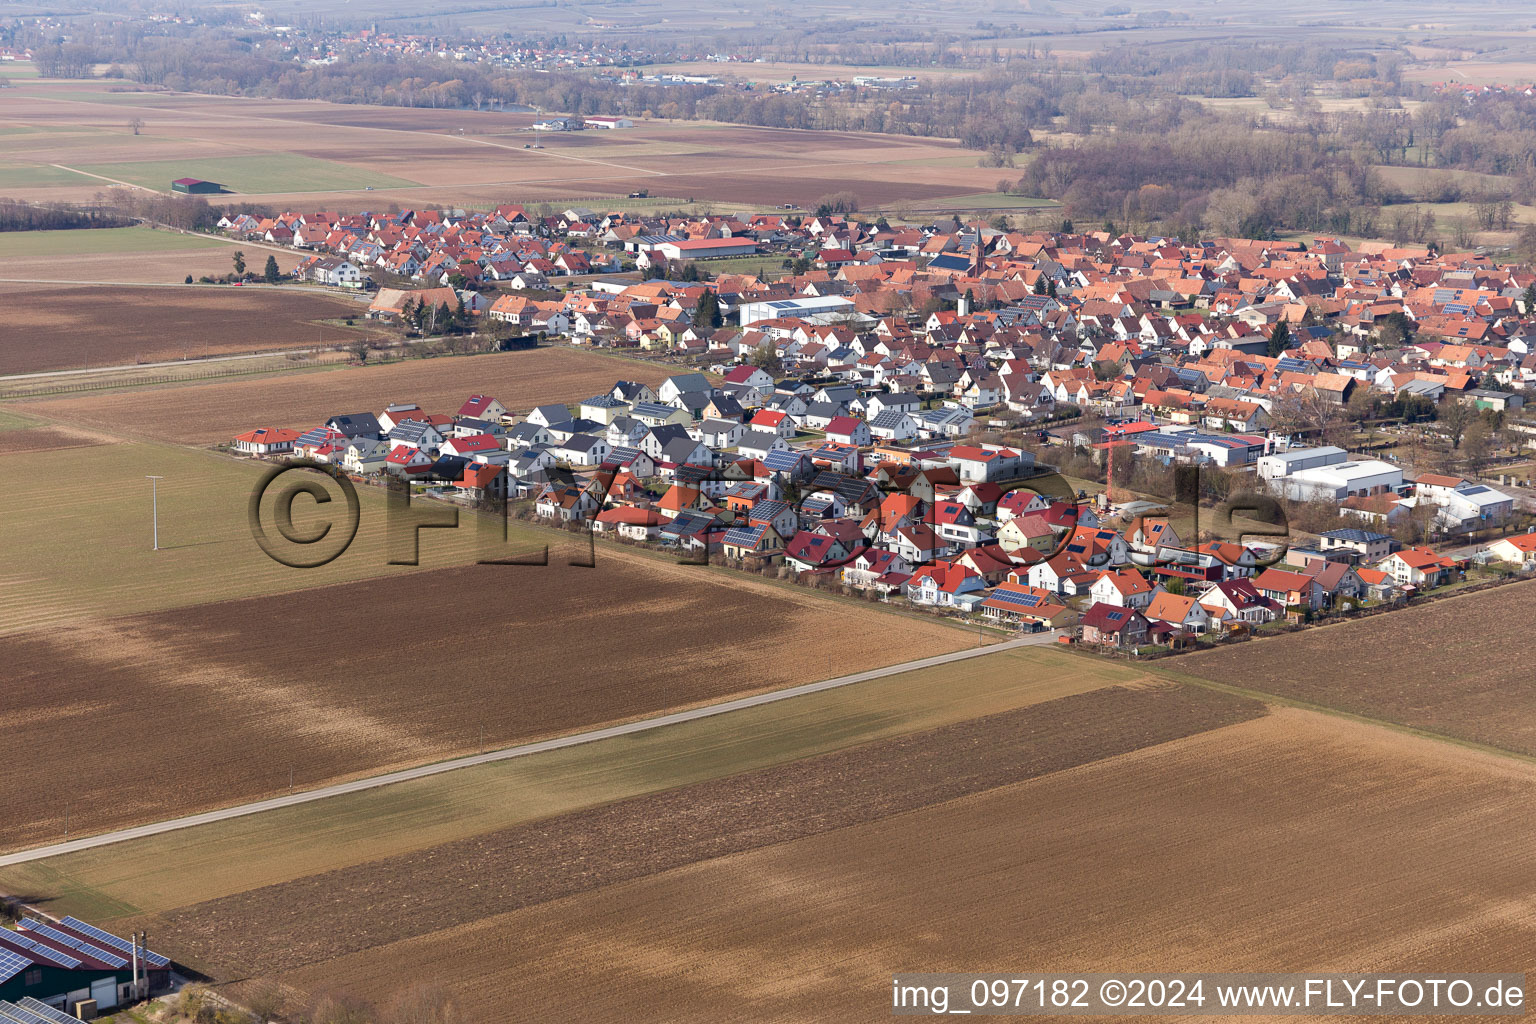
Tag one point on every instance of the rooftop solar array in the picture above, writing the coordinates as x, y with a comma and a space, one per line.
782, 459
1013, 597
12, 964
112, 941
64, 939
46, 1012
745, 536
13, 1014
37, 949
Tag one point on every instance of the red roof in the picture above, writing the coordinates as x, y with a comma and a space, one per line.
269, 436
844, 425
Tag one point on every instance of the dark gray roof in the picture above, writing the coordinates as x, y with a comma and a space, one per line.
678, 449
690, 382
357, 424
668, 432
757, 439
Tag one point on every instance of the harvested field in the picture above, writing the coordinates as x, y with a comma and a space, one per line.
546, 861
1459, 667
362, 678
215, 412
1289, 843
62, 327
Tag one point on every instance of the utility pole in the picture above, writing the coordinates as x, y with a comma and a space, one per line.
154, 506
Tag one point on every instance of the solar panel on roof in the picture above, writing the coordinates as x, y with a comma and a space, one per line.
13, 1014
46, 1012
12, 964
1013, 597
49, 932
37, 949
122, 945
782, 459
1114, 616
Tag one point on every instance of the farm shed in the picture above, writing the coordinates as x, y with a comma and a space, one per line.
196, 187
64, 963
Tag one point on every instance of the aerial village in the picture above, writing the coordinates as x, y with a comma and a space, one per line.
871, 408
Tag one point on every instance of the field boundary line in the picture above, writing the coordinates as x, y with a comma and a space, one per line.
508, 753
1352, 716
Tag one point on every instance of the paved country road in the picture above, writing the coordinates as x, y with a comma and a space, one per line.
506, 754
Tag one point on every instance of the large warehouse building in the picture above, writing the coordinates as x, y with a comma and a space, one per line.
196, 187
699, 248
65, 963
822, 309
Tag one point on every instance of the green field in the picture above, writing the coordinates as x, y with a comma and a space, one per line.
86, 241
82, 553
184, 867
276, 172
38, 176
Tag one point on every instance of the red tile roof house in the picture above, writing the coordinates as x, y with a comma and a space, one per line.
482, 407
943, 584
266, 441
806, 551
1418, 567
1290, 589
631, 523
481, 480
1117, 627
847, 430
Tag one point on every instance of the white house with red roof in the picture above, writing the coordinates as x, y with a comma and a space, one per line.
849, 430
482, 407
1418, 567
989, 462
781, 424
407, 461
1124, 588
481, 448
266, 441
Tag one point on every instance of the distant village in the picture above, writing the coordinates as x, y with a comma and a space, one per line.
874, 419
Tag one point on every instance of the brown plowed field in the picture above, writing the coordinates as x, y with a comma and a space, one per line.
213, 705
1291, 843
58, 328
214, 412
590, 850
1459, 666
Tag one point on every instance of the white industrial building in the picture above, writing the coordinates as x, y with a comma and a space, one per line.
822, 309
1340, 480
1283, 464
